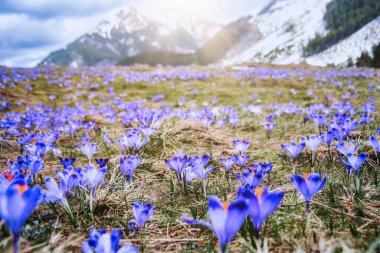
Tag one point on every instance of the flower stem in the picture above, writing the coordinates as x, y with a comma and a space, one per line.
307, 228
204, 189
357, 182
16, 240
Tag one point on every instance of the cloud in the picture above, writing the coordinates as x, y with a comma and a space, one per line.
45, 9
35, 39
33, 29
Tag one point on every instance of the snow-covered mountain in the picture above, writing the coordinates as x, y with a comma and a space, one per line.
278, 34
286, 27
125, 32
352, 47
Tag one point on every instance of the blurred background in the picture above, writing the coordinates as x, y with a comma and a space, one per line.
125, 32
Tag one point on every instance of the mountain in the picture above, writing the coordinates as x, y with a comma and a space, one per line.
288, 27
350, 48
230, 40
283, 32
125, 32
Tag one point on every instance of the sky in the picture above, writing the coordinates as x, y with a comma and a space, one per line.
31, 29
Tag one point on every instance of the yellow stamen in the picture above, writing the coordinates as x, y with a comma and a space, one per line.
22, 188
226, 205
259, 192
9, 176
306, 176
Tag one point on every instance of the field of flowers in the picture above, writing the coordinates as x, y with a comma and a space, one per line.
141, 159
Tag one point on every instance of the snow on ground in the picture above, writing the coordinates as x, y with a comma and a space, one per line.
352, 47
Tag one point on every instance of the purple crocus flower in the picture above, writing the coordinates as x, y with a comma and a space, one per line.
226, 219
354, 161
228, 163
89, 149
269, 127
142, 214
58, 194
132, 140
17, 203
313, 142
308, 185
250, 178
348, 147
128, 165
241, 146
375, 143
365, 119
197, 167
206, 120
320, 120
36, 166
147, 131
327, 138
92, 177
241, 160
106, 242
177, 164
294, 149
262, 168
66, 162
102, 162
68, 179
262, 203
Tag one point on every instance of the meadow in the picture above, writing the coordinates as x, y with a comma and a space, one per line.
153, 155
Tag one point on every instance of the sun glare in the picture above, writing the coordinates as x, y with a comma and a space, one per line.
193, 6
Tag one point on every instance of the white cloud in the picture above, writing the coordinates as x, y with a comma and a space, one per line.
35, 28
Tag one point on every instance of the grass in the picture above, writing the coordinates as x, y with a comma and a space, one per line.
341, 220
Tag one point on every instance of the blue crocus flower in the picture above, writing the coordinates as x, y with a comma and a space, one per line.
142, 214
375, 143
197, 168
355, 161
106, 242
250, 178
178, 163
102, 162
327, 138
263, 168
294, 149
68, 179
241, 146
92, 177
269, 127
54, 193
226, 219
66, 162
228, 163
320, 120
308, 185
36, 166
348, 147
312, 142
262, 203
17, 203
128, 165
89, 149
241, 160
132, 140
